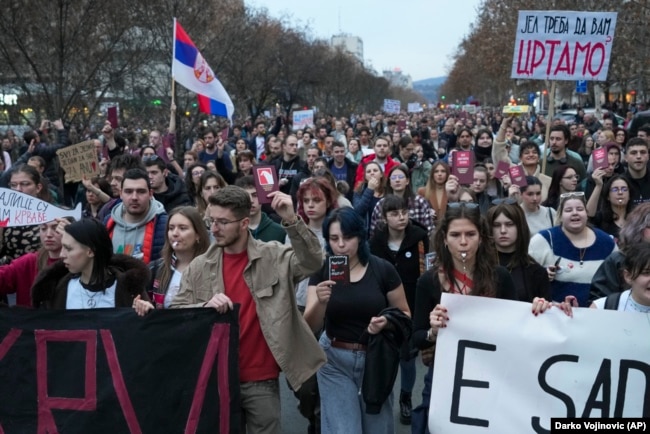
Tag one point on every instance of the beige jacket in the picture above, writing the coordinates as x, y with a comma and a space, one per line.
272, 273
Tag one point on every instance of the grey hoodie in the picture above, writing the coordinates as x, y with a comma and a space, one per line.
129, 237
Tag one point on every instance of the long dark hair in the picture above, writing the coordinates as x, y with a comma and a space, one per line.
553, 196
516, 214
37, 178
408, 192
94, 235
192, 189
484, 277
609, 215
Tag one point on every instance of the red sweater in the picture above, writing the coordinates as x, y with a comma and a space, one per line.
361, 169
19, 276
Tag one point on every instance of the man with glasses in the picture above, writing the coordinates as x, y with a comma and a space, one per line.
272, 333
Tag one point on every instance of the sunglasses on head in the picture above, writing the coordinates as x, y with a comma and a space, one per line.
505, 200
576, 194
468, 205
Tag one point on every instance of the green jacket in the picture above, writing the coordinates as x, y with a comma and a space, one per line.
268, 230
273, 271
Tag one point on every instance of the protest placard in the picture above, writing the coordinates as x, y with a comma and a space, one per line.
20, 209
392, 106
111, 371
501, 369
79, 160
414, 107
303, 119
563, 45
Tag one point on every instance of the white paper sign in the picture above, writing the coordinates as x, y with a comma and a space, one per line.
20, 209
303, 119
414, 107
500, 369
392, 106
563, 45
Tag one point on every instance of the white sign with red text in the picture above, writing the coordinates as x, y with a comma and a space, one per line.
563, 45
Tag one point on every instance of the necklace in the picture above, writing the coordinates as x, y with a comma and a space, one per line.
467, 282
91, 303
352, 267
582, 255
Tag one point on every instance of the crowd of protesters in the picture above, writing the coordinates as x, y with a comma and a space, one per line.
174, 220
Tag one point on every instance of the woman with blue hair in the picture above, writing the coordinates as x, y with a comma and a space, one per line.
350, 311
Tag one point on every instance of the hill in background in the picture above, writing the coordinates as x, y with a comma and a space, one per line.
429, 88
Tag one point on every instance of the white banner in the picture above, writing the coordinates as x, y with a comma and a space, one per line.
392, 106
500, 369
303, 119
563, 45
414, 107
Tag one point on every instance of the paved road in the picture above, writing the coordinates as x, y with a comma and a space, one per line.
294, 423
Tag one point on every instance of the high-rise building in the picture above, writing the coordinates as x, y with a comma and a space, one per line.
349, 43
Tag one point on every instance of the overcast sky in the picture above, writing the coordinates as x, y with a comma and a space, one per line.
418, 36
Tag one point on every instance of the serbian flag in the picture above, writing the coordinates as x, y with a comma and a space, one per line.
190, 69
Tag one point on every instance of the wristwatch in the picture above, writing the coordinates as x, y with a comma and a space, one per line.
430, 336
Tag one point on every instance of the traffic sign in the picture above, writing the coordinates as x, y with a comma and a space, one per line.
581, 86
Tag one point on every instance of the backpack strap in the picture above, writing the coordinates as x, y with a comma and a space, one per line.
612, 300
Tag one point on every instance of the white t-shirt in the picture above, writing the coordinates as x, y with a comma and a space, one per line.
172, 290
80, 298
625, 304
540, 219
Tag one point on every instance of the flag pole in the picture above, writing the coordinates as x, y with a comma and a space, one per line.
549, 120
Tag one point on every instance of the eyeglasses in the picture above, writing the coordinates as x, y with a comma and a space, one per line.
197, 172
576, 194
396, 177
618, 189
220, 223
468, 205
505, 200
153, 157
398, 213
571, 177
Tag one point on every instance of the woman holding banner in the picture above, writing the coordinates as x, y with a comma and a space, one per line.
572, 251
18, 240
636, 272
461, 239
187, 238
89, 276
18, 276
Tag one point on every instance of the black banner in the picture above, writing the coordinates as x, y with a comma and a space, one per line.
110, 371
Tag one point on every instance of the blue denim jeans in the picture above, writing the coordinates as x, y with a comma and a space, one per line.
420, 414
343, 410
407, 374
